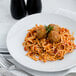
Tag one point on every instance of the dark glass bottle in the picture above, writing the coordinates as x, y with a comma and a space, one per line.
34, 6
18, 9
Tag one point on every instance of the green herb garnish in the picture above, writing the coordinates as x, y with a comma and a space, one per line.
48, 29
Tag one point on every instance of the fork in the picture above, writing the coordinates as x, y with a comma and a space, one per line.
4, 67
8, 59
5, 53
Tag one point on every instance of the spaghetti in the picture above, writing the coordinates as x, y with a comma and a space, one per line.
51, 46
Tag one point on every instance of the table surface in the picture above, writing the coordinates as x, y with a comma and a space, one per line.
6, 20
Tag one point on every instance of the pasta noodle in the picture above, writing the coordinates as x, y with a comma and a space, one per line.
43, 49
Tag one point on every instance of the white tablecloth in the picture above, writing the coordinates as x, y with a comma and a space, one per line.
6, 22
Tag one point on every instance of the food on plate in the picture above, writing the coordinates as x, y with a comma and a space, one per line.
48, 43
54, 36
41, 32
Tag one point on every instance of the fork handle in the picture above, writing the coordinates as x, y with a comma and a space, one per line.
5, 72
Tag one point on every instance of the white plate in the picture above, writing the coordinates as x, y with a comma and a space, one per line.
18, 32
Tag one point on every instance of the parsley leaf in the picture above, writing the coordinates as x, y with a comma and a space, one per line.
48, 29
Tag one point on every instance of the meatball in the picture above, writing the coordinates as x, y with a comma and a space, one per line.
41, 32
54, 36
55, 27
